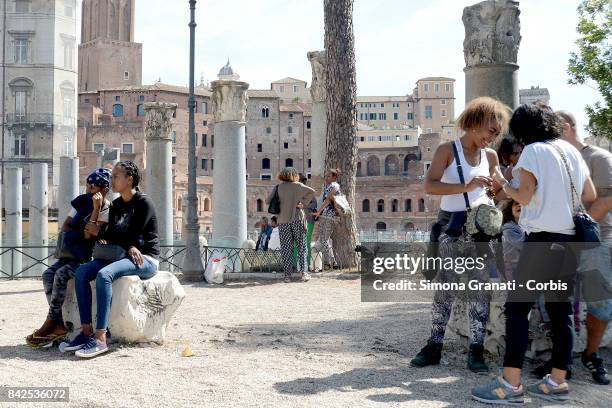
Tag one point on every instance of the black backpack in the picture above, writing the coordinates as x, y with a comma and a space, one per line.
274, 206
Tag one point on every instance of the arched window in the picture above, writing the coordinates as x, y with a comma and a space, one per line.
140, 110
381, 226
259, 205
265, 164
394, 206
373, 166
206, 204
421, 205
117, 110
288, 162
365, 205
358, 169
381, 205
408, 205
409, 226
391, 165
265, 112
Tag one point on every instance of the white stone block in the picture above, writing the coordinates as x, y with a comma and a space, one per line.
141, 310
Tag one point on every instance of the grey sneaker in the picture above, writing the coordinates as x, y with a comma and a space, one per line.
496, 392
92, 348
546, 391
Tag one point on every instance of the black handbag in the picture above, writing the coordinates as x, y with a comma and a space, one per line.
274, 206
587, 229
108, 252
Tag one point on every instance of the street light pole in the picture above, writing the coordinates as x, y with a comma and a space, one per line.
193, 270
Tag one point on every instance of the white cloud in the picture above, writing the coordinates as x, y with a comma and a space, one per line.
397, 42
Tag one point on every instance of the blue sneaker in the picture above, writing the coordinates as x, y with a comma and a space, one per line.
78, 343
92, 348
497, 392
543, 389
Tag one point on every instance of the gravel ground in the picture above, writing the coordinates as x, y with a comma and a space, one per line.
257, 343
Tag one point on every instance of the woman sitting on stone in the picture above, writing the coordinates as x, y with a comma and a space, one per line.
88, 214
292, 221
133, 227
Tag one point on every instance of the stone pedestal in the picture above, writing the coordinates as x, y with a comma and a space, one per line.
318, 133
499, 81
39, 216
141, 309
158, 176
68, 187
229, 174
12, 260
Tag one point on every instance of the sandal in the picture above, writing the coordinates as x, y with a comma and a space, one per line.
44, 341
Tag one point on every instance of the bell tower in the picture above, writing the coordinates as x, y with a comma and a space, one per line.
108, 55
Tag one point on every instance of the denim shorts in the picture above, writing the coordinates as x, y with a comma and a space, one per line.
598, 259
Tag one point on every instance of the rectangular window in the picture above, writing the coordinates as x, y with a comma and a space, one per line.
117, 98
395, 116
410, 116
428, 112
174, 137
212, 141
205, 108
22, 6
126, 75
259, 147
443, 102
437, 87
382, 116
20, 145
173, 159
20, 105
382, 105
372, 116
285, 145
309, 163
289, 129
21, 51
98, 147
204, 164
141, 98
268, 130
443, 113
282, 88
204, 137
68, 56
426, 87
127, 148
372, 138
68, 107
204, 123
447, 87
291, 116
295, 88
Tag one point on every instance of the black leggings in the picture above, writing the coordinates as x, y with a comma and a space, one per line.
545, 256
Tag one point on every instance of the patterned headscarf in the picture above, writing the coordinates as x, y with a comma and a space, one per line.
100, 178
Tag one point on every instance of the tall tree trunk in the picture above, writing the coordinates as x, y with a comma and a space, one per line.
341, 87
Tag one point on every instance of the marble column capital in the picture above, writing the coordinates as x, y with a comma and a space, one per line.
159, 120
318, 62
229, 100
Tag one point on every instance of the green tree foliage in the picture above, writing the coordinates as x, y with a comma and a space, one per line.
592, 65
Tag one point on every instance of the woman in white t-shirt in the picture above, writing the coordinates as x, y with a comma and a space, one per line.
548, 206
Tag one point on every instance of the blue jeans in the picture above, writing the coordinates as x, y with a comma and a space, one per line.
104, 272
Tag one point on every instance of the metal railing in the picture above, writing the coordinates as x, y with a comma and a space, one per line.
31, 261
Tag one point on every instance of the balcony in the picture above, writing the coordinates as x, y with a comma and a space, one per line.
38, 119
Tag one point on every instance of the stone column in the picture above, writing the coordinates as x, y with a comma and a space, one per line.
229, 175
68, 186
490, 47
39, 218
13, 183
158, 175
318, 62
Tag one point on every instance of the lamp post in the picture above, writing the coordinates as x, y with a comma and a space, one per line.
193, 269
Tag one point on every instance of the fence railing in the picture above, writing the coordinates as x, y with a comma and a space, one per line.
31, 261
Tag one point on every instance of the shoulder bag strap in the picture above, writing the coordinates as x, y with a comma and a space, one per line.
569, 175
460, 171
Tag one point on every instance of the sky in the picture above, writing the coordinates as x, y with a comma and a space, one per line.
396, 43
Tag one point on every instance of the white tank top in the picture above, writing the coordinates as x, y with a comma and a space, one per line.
456, 202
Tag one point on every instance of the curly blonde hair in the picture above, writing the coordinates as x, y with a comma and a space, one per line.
289, 174
482, 111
